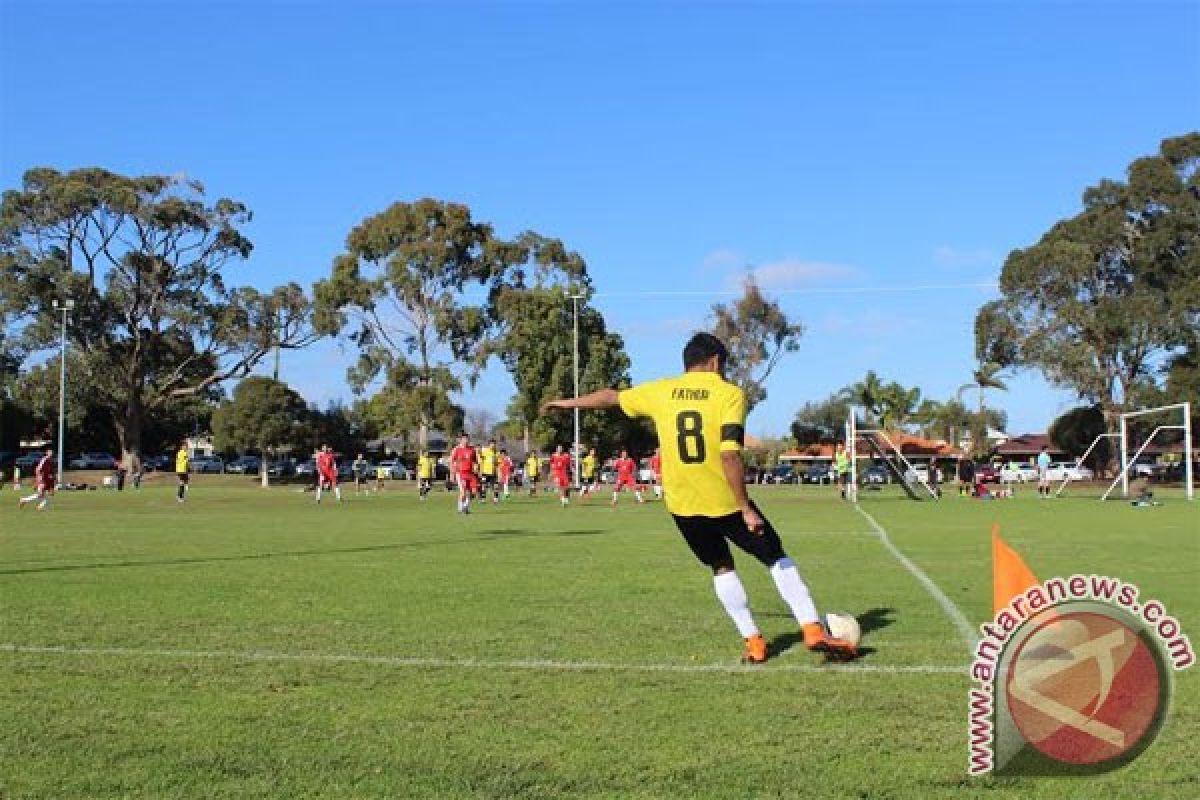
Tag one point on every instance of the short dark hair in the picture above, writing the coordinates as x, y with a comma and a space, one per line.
701, 348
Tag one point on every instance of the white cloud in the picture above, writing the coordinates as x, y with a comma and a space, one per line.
790, 273
722, 259
958, 258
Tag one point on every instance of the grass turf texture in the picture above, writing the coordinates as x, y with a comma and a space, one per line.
183, 595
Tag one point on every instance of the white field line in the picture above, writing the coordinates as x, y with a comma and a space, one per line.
542, 665
957, 617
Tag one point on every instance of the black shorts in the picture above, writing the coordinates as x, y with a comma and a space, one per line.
183, 477
709, 539
488, 480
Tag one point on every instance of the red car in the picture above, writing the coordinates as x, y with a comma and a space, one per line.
986, 473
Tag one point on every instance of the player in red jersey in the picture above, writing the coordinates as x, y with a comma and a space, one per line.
656, 468
463, 460
506, 470
626, 477
327, 473
43, 482
560, 468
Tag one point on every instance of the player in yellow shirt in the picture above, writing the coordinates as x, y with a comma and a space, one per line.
424, 474
489, 461
700, 419
533, 467
182, 464
587, 472
381, 474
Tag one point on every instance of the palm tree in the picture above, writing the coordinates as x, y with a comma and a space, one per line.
986, 376
868, 393
899, 405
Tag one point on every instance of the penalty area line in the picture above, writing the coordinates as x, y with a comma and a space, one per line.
957, 617
543, 665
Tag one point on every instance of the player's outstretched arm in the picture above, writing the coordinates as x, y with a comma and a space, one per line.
601, 398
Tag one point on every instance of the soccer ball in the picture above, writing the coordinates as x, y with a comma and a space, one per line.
843, 626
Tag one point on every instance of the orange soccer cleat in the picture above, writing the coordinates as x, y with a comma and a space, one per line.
756, 650
817, 640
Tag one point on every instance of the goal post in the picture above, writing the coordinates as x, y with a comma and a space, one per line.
1128, 461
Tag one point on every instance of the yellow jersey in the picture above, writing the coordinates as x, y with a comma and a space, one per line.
425, 468
181, 461
487, 461
587, 466
532, 467
698, 416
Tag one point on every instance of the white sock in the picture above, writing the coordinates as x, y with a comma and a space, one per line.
732, 595
45, 502
337, 491
318, 492
794, 591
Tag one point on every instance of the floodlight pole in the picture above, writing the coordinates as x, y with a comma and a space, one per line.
66, 306
575, 298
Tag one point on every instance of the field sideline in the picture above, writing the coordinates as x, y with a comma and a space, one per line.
249, 644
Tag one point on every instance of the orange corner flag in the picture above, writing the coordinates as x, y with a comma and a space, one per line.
1010, 575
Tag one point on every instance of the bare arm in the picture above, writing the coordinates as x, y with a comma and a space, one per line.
735, 474
601, 398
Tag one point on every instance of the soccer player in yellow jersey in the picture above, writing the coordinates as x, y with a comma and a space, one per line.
489, 460
533, 467
424, 474
700, 419
587, 471
182, 465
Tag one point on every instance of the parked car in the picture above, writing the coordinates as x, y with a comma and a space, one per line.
281, 468
27, 462
917, 473
784, 473
1018, 473
93, 461
1145, 468
818, 473
244, 465
876, 474
1068, 470
306, 469
7, 457
208, 464
396, 470
986, 473
157, 463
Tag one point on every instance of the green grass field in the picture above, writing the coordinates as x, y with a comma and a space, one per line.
250, 644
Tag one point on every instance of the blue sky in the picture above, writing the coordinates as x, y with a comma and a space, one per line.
835, 147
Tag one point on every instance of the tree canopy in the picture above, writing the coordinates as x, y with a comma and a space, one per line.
1101, 302
758, 333
143, 258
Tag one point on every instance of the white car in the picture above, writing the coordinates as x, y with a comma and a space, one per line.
919, 473
395, 470
1018, 473
1068, 470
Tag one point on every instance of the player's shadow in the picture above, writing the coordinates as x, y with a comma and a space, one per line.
869, 621
508, 533
168, 562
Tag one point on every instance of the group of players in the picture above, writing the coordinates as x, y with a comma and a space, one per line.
480, 470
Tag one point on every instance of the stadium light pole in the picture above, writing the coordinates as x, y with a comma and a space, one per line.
66, 307
575, 298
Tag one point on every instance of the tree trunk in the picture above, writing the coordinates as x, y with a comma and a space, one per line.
128, 424
262, 468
